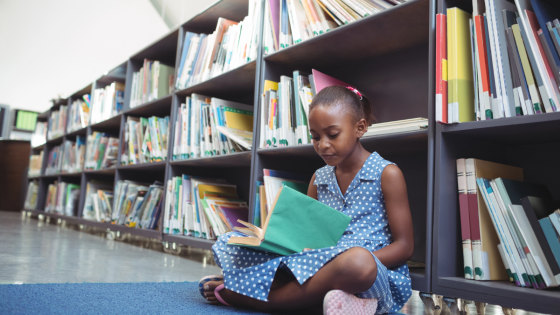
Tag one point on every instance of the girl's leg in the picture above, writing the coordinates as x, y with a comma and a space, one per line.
353, 271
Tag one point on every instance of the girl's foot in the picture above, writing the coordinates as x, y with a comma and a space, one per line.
207, 285
338, 302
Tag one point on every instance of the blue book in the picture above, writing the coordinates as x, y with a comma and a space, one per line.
202, 36
551, 237
186, 44
490, 67
546, 13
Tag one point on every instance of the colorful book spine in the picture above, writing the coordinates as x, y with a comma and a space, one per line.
464, 213
441, 69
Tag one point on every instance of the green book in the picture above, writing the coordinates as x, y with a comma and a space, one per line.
301, 187
295, 222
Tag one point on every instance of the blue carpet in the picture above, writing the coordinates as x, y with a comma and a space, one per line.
108, 298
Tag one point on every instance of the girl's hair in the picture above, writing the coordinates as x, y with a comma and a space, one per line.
338, 95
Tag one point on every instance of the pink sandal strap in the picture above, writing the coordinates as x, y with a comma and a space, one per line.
217, 295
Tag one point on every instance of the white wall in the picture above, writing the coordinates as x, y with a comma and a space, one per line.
53, 47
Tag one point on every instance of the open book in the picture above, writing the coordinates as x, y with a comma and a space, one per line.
294, 222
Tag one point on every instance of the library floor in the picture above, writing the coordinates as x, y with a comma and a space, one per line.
34, 251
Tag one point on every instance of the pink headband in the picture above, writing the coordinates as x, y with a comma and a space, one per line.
355, 91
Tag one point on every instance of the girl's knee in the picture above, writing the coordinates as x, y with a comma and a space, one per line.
358, 265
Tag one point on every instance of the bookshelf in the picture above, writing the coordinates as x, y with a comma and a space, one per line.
390, 57
526, 142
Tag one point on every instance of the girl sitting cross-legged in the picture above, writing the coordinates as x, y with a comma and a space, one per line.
366, 271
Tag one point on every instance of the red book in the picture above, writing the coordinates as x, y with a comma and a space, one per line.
441, 68
464, 204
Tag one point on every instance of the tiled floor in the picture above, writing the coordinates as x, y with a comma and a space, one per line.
34, 251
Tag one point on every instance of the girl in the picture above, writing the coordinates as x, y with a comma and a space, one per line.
366, 271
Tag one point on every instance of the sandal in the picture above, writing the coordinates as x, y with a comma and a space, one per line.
206, 279
338, 302
217, 295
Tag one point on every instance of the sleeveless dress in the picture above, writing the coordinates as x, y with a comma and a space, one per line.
251, 272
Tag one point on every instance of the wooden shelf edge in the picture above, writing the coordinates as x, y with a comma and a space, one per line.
189, 241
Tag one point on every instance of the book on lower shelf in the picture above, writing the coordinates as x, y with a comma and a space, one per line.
54, 160
136, 205
31, 195
107, 102
145, 140
62, 198
503, 60
211, 126
73, 155
503, 246
35, 164
102, 151
98, 201
202, 207
284, 114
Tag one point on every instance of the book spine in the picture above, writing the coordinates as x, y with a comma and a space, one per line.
464, 213
441, 69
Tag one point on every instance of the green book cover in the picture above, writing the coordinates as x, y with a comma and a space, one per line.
301, 187
295, 222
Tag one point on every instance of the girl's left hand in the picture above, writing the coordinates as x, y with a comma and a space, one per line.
306, 249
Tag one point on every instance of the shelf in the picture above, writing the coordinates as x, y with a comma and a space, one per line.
39, 147
503, 293
83, 91
418, 277
55, 141
532, 129
21, 130
189, 241
134, 231
395, 29
79, 132
386, 144
73, 174
154, 166
33, 177
238, 159
106, 171
152, 108
232, 85
111, 123
50, 176
43, 116
205, 21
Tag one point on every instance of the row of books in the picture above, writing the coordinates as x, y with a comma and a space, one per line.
67, 157
35, 164
509, 228
57, 123
78, 116
107, 102
136, 205
39, 136
288, 22
285, 110
501, 61
202, 207
99, 201
62, 198
231, 45
145, 140
31, 195
154, 80
102, 151
211, 126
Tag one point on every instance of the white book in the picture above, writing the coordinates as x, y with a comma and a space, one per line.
298, 21
496, 26
189, 62
550, 279
167, 206
549, 92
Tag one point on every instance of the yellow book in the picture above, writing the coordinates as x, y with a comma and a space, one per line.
239, 119
460, 81
216, 188
270, 85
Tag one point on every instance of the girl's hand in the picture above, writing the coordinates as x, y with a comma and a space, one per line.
306, 249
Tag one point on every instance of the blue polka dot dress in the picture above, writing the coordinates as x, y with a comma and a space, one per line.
251, 272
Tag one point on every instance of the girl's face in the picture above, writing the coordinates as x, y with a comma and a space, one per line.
334, 133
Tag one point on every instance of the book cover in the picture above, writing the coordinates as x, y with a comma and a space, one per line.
322, 81
441, 68
289, 230
464, 214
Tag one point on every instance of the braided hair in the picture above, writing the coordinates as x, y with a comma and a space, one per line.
347, 97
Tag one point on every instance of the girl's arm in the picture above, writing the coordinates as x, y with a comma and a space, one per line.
393, 187
312, 190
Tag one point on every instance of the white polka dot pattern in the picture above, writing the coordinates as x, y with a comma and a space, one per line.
251, 272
